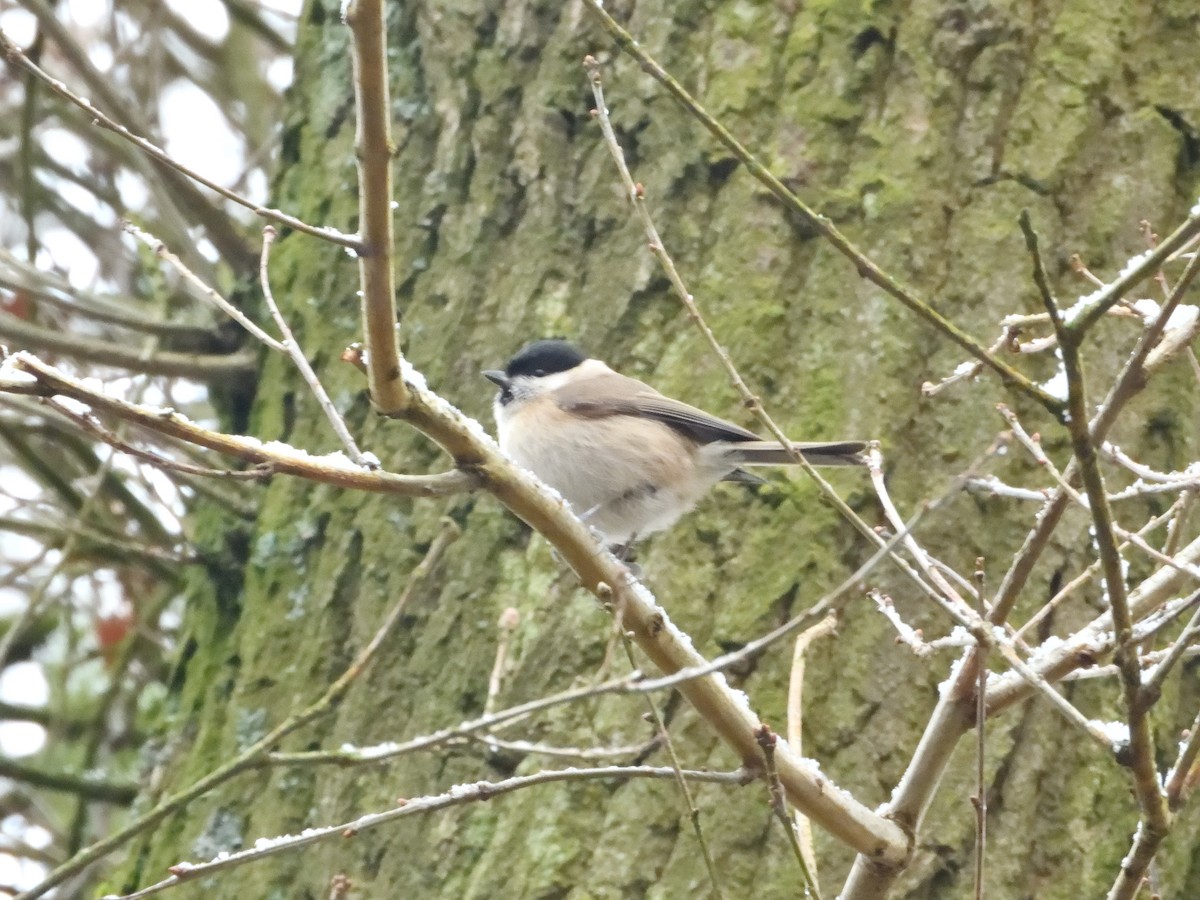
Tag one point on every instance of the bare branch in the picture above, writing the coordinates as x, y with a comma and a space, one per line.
768, 741
456, 796
334, 469
88, 423
1090, 643
1146, 778
1182, 776
374, 148
509, 619
1136, 270
980, 799
863, 265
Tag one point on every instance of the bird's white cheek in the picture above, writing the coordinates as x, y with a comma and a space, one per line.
503, 432
511, 435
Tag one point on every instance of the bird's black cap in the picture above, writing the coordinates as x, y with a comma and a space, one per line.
544, 358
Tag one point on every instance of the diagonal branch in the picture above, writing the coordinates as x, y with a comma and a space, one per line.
43, 380
456, 796
823, 226
292, 348
19, 60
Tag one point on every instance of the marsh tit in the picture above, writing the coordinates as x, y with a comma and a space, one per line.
629, 460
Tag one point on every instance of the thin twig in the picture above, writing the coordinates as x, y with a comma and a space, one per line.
1175, 530
456, 796
1146, 779
1038, 682
693, 811
349, 756
1089, 574
910, 637
947, 591
1092, 308
1182, 776
290, 346
768, 741
965, 370
616, 634
87, 786
1089, 644
535, 748
1152, 681
1149, 355
1149, 661
163, 252
1183, 479
1128, 537
88, 424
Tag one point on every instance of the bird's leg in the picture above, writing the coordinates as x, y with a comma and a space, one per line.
624, 552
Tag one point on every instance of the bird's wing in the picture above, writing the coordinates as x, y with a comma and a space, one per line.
612, 394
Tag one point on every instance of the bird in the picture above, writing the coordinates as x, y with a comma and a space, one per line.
629, 460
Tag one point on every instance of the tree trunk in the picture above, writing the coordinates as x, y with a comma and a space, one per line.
921, 130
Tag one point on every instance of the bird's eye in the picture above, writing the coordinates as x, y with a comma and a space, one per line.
538, 373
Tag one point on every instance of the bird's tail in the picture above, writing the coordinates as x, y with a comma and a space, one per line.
770, 453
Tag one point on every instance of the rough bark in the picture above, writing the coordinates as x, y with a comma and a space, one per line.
922, 129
